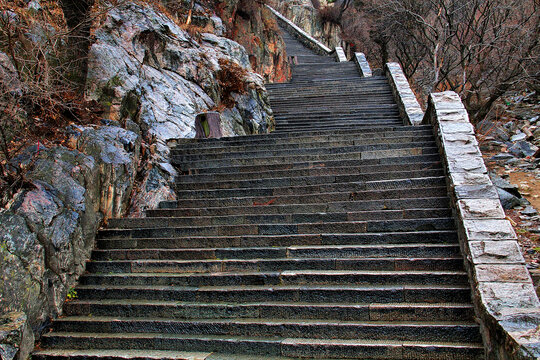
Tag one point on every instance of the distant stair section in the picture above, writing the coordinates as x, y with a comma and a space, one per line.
331, 238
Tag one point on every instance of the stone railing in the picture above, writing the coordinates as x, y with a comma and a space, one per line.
306, 39
362, 64
503, 294
409, 108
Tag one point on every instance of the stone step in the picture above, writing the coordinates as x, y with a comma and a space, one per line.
243, 241
307, 143
310, 171
343, 196
348, 206
345, 103
274, 347
296, 129
283, 310
351, 120
122, 354
351, 227
374, 106
412, 150
311, 151
312, 120
284, 328
276, 191
162, 272
246, 182
298, 252
304, 293
356, 137
303, 165
381, 131
291, 218
332, 83
270, 278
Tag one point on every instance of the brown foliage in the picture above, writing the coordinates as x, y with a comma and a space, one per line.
330, 14
231, 78
480, 49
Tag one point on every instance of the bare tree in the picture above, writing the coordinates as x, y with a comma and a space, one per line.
478, 48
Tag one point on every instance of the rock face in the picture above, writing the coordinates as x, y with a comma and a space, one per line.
254, 26
16, 338
304, 15
47, 233
145, 68
153, 77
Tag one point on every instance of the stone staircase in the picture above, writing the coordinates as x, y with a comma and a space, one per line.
330, 238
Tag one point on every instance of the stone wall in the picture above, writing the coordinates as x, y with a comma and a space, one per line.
503, 294
409, 108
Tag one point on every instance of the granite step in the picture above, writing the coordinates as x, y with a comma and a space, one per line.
416, 250
283, 310
243, 241
273, 347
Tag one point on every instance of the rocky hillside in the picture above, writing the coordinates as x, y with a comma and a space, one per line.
150, 73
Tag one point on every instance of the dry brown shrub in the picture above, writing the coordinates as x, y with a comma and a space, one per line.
330, 13
231, 78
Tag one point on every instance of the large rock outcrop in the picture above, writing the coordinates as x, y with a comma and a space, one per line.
48, 231
152, 77
146, 68
253, 25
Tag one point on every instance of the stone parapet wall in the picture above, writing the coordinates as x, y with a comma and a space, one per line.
504, 297
363, 65
409, 108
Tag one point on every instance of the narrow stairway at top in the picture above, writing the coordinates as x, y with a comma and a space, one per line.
330, 238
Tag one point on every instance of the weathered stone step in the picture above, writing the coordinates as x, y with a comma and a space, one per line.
356, 119
310, 171
284, 277
190, 242
291, 218
161, 272
407, 193
122, 354
374, 106
376, 131
294, 130
351, 227
398, 160
283, 310
307, 143
299, 252
301, 140
411, 150
379, 107
351, 101
347, 120
351, 186
305, 293
272, 347
335, 89
246, 182
350, 206
284, 328
335, 150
